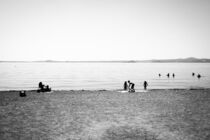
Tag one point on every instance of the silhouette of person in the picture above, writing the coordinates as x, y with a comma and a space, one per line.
22, 93
168, 75
125, 85
129, 84
173, 75
159, 75
131, 87
199, 76
41, 86
48, 88
193, 74
145, 85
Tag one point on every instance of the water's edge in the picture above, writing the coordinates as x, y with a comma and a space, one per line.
116, 90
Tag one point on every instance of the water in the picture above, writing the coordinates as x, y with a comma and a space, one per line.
95, 76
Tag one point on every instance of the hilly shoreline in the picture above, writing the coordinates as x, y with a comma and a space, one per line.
179, 60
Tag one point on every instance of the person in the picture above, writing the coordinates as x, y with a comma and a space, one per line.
145, 85
48, 88
41, 86
193, 74
22, 93
168, 75
173, 75
159, 75
125, 85
199, 76
131, 86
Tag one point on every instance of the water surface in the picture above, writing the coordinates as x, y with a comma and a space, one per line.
94, 76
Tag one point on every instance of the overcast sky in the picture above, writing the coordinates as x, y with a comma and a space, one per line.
104, 29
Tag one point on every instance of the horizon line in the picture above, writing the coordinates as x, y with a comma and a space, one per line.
143, 60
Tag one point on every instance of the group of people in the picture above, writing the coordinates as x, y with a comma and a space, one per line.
130, 86
198, 76
173, 75
168, 75
43, 88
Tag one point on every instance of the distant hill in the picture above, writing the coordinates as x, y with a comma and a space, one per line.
182, 60
179, 60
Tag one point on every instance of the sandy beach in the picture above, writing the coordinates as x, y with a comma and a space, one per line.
106, 115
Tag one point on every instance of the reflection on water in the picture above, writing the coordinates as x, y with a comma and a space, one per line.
111, 76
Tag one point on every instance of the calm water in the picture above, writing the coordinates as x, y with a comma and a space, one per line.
111, 76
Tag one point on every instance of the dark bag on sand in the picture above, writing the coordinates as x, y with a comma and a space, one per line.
22, 93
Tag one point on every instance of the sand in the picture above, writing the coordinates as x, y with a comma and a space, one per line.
106, 115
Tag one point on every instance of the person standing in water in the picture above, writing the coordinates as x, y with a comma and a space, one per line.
159, 75
125, 85
199, 76
168, 75
131, 87
173, 75
145, 85
129, 84
193, 74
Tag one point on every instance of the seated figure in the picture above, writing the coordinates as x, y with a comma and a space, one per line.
22, 93
47, 88
43, 88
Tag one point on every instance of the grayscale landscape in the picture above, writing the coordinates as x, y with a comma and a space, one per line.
104, 70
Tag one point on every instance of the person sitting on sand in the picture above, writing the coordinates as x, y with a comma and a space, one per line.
41, 86
47, 88
145, 85
22, 93
125, 85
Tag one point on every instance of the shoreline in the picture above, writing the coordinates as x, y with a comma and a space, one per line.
139, 90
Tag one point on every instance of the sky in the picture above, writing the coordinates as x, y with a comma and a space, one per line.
78, 30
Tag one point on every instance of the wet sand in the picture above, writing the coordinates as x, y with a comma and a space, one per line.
106, 115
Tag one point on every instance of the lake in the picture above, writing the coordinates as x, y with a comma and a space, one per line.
98, 76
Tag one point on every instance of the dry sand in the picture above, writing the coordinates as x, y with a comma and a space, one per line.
106, 115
